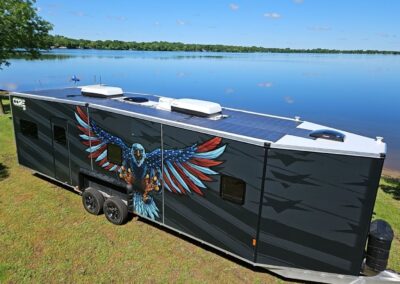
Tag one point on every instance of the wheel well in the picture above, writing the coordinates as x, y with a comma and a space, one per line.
106, 185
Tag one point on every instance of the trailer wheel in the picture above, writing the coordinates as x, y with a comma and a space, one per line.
115, 210
93, 201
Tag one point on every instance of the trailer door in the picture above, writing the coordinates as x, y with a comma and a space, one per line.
61, 150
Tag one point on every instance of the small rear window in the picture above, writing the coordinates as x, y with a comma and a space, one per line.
28, 128
59, 135
232, 189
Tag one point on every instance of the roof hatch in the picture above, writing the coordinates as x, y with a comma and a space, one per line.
328, 134
101, 91
196, 107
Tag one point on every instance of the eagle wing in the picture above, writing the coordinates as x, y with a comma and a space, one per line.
185, 170
97, 139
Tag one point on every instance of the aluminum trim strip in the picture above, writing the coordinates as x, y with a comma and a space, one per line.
50, 99
264, 114
324, 151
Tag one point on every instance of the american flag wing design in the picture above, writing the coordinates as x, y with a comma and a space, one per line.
96, 139
186, 169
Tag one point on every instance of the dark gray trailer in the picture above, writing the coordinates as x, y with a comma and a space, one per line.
284, 194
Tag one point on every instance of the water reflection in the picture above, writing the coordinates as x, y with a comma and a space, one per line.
121, 54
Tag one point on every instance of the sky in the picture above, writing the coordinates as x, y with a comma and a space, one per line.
334, 24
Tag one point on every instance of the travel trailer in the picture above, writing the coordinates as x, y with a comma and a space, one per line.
284, 194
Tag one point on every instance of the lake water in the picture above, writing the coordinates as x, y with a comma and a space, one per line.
357, 93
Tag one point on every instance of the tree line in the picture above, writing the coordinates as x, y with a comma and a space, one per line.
21, 29
58, 41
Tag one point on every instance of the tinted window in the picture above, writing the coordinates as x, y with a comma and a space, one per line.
28, 128
114, 154
59, 135
233, 189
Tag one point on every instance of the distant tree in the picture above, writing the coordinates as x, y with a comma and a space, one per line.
21, 29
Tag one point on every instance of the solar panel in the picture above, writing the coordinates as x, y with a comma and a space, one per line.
257, 126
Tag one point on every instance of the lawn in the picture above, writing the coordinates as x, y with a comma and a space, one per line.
45, 234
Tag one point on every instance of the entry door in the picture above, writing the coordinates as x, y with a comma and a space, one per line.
61, 150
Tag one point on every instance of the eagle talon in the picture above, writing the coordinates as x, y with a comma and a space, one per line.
127, 175
146, 199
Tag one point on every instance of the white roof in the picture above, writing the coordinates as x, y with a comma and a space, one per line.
354, 144
204, 107
102, 90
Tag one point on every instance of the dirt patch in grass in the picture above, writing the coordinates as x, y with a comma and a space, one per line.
392, 187
3, 171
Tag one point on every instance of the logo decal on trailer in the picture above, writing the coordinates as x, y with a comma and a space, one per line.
18, 102
180, 171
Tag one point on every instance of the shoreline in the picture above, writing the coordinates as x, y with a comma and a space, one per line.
391, 173
63, 42
275, 51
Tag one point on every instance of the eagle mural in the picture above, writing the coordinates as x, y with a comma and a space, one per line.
181, 171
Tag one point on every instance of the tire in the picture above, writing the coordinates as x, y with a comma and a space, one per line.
115, 210
93, 201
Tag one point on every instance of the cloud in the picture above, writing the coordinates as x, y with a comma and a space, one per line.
180, 22
181, 74
311, 74
289, 100
298, 1
229, 91
319, 28
117, 18
386, 35
272, 15
10, 86
50, 9
234, 6
79, 13
265, 85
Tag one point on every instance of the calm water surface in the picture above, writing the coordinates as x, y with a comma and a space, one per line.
357, 93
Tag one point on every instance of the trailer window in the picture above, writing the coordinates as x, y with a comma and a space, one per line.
28, 128
232, 189
114, 154
59, 135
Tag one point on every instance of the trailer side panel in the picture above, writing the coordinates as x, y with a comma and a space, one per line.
316, 210
37, 123
230, 224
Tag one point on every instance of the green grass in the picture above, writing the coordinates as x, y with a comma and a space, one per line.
387, 207
45, 234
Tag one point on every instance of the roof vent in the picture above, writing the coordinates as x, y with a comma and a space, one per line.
328, 134
196, 107
101, 91
138, 100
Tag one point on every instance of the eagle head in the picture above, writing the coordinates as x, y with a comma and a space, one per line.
138, 154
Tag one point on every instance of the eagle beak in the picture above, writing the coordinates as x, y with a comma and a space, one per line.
138, 156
